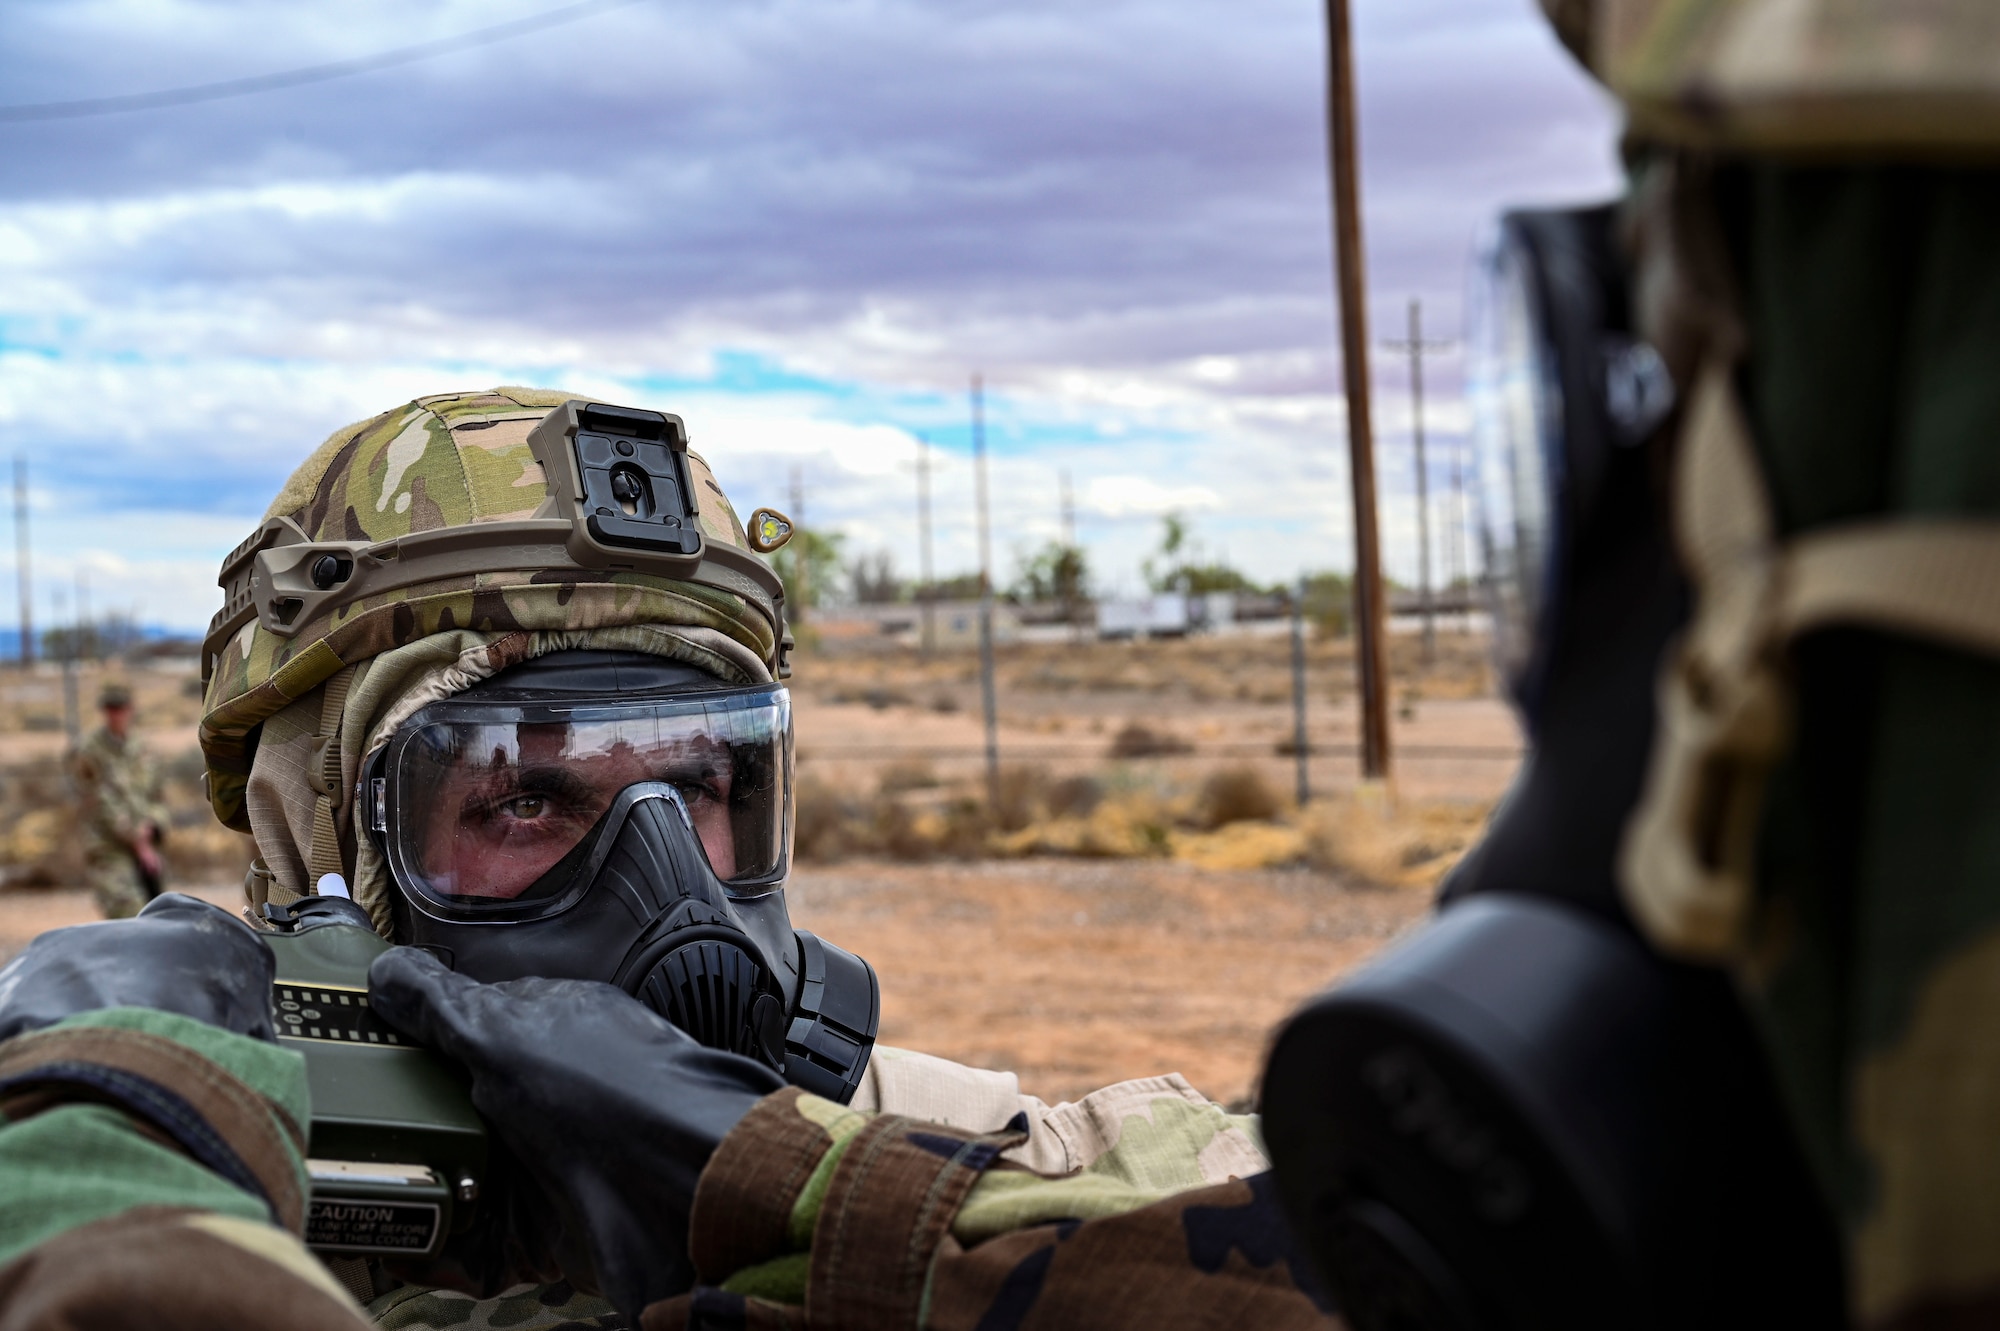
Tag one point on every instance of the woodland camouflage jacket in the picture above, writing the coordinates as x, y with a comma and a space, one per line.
809, 1215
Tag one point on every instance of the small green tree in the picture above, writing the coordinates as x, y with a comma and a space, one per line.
1179, 566
1056, 572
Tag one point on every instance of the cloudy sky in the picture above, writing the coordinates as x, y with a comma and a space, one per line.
800, 225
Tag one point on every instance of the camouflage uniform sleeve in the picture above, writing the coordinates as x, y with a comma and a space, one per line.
153, 1170
814, 1213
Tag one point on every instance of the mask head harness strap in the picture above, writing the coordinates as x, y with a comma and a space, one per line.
1688, 862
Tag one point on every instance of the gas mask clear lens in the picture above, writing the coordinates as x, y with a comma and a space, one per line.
1556, 381
1516, 400
490, 809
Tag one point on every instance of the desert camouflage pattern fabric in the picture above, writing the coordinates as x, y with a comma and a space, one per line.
442, 461
1854, 76
118, 785
814, 1214
1177, 1138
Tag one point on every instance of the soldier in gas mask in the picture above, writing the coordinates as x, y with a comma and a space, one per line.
1705, 1032
505, 669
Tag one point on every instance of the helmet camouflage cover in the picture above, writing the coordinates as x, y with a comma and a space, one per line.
450, 464
1818, 76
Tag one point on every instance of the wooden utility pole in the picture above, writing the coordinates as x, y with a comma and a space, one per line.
926, 590
1415, 345
1371, 650
988, 703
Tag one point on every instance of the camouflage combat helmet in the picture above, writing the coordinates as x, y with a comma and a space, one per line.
433, 530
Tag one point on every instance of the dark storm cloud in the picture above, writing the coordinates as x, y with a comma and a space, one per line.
1112, 184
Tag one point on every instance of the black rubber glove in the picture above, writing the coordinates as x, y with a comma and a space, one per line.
179, 954
609, 1111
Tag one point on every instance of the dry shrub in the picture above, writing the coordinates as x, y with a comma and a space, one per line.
908, 774
1020, 797
1237, 795
1390, 842
1242, 845
1139, 740
39, 845
825, 819
1074, 797
1129, 825
832, 822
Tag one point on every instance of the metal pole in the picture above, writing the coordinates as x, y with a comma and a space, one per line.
72, 713
986, 698
1299, 687
1423, 479
926, 590
86, 630
1370, 648
27, 581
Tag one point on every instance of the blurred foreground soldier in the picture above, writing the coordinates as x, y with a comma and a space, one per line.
503, 669
123, 819
1709, 1033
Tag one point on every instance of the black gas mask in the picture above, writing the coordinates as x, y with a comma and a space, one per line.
1524, 1117
617, 816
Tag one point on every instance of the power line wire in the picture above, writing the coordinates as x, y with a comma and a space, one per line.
294, 78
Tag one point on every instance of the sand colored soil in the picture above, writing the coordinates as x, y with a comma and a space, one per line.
1077, 974
1072, 974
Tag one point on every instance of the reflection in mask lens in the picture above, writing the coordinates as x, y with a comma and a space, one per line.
1517, 421
484, 810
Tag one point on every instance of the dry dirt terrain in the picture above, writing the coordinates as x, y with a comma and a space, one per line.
1174, 941
1074, 974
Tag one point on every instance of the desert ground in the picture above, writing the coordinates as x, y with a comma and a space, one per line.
1148, 895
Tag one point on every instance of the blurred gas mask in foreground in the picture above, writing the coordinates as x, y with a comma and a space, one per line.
1525, 1117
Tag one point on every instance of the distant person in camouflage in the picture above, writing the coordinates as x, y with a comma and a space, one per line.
124, 822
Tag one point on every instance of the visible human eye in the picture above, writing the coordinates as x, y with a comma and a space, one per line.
530, 801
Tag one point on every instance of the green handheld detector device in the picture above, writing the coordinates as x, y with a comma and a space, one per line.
396, 1152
